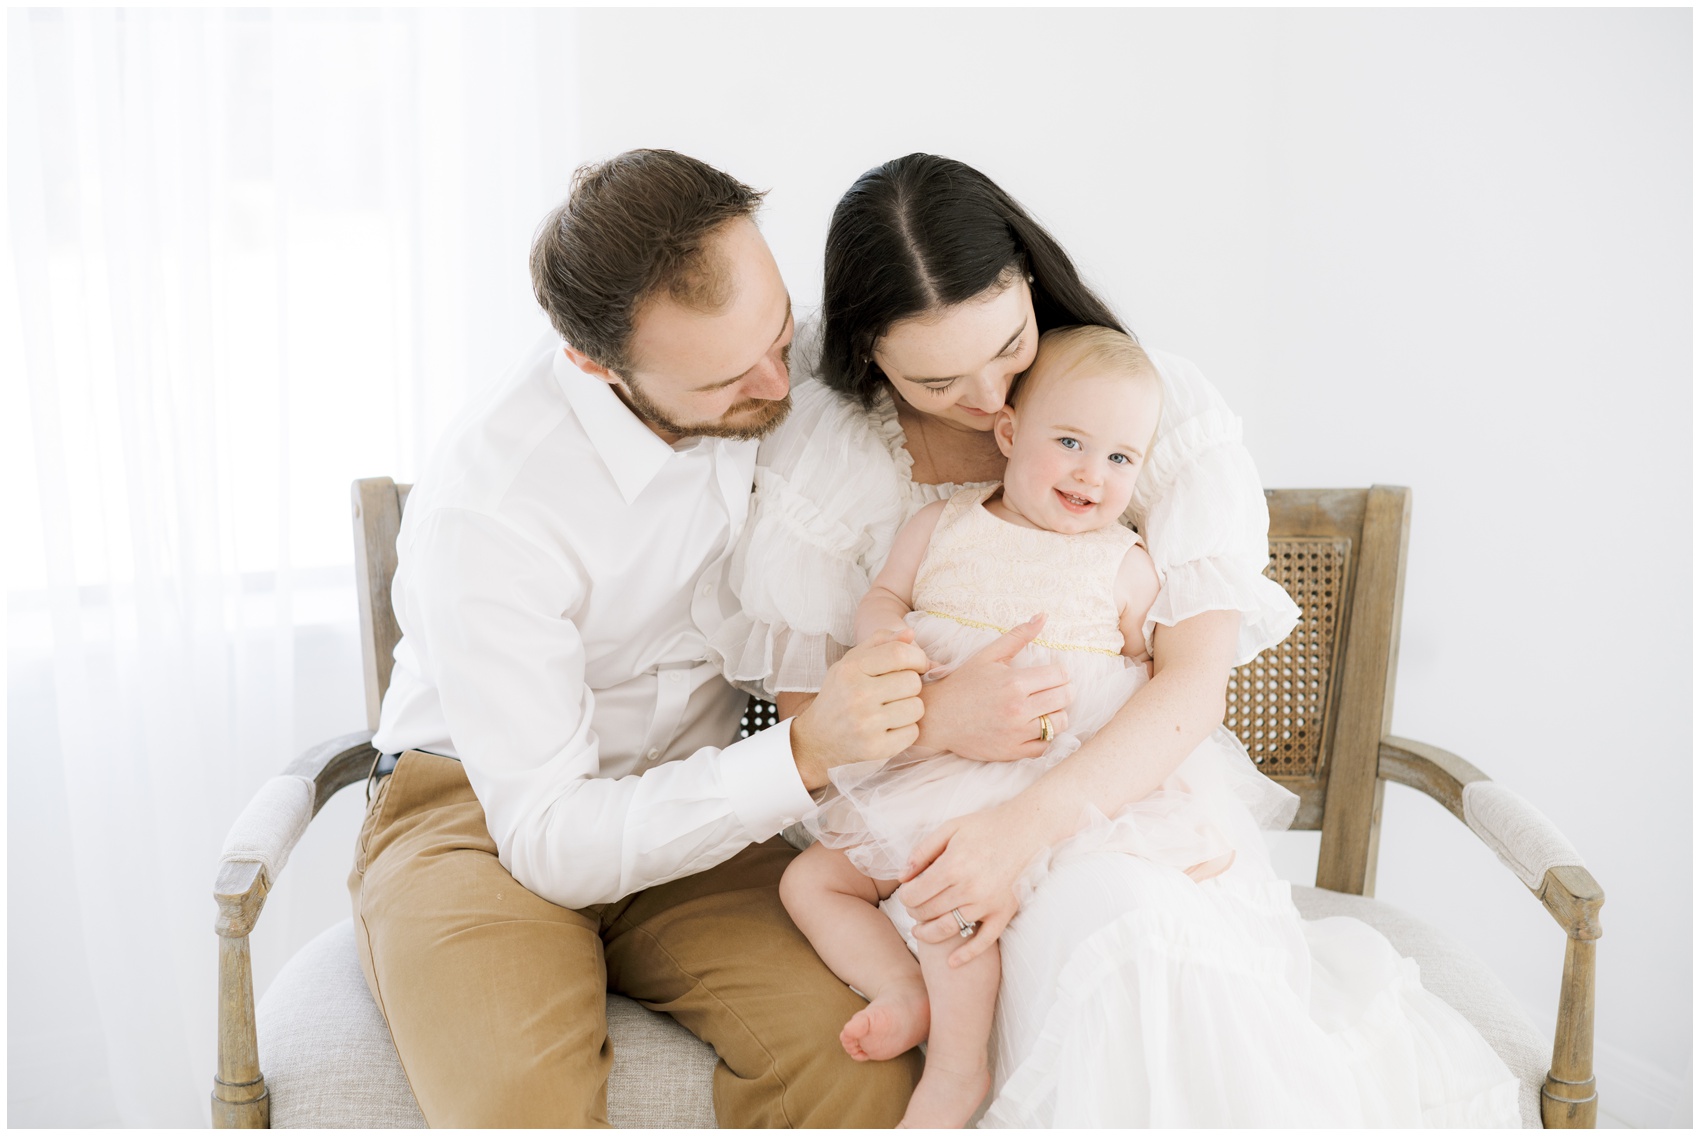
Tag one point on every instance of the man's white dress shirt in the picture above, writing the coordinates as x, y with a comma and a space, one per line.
560, 571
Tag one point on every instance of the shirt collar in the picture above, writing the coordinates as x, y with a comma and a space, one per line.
630, 451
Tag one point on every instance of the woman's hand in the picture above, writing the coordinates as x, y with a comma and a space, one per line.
970, 864
988, 709
973, 863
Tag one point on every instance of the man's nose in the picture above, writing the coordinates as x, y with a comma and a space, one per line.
771, 380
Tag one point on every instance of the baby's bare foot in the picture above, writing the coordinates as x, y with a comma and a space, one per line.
946, 1098
894, 1022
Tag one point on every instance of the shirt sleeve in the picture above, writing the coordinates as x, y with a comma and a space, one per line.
1199, 504
484, 606
828, 502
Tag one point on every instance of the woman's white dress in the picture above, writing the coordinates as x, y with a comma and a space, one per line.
1134, 993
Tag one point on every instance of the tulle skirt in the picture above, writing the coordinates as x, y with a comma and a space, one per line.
1158, 973
1134, 996
877, 811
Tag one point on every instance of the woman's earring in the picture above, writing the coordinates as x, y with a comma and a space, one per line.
1029, 278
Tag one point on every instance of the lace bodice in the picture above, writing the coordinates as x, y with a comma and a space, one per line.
984, 571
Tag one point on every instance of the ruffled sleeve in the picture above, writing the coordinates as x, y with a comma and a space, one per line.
828, 502
1200, 506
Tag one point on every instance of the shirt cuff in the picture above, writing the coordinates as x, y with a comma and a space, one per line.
761, 780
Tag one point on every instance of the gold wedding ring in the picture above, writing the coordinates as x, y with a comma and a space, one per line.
1046, 733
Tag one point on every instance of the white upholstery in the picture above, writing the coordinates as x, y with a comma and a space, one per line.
329, 1062
1460, 979
271, 824
1520, 834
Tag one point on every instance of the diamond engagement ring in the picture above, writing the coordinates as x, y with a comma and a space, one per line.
1046, 733
964, 928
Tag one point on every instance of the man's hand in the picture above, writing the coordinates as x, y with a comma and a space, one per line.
988, 710
866, 710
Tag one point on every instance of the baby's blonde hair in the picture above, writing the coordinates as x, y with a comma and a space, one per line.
1064, 350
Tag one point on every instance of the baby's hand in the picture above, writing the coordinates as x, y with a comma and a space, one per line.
898, 631
1143, 661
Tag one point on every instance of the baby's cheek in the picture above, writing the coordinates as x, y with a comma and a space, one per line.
1121, 494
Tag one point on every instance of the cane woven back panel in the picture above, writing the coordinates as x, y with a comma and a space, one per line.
1278, 703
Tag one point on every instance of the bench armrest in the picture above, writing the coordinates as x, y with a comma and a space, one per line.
1534, 849
1524, 839
259, 843
254, 854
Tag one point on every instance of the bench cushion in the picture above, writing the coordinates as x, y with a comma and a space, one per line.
1462, 981
329, 1062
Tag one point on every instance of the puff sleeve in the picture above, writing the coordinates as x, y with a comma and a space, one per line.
828, 502
1200, 506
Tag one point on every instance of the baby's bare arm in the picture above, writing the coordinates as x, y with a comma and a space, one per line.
892, 595
1137, 585
886, 603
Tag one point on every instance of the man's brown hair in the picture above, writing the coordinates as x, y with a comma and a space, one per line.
633, 227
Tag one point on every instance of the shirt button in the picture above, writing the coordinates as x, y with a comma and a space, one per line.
653, 754
676, 676
708, 589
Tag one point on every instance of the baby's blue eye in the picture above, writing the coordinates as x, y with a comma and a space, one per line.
1121, 458
1068, 443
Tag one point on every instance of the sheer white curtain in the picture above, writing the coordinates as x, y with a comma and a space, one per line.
254, 254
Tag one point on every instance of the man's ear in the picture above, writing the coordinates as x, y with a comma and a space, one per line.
1003, 429
589, 366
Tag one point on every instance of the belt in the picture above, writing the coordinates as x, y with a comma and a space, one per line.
381, 768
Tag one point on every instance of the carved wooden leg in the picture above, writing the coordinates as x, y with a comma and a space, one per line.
1568, 1100
239, 1098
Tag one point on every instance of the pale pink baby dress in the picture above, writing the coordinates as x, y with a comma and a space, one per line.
981, 576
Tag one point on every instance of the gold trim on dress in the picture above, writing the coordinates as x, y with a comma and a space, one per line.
1052, 644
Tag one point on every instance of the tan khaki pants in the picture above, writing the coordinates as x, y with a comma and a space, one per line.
496, 997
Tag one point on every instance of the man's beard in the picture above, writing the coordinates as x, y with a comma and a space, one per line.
754, 418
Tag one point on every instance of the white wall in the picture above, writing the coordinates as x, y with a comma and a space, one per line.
1444, 249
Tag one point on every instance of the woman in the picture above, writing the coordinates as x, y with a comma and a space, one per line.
1131, 994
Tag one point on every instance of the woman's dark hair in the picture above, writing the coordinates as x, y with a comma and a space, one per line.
922, 233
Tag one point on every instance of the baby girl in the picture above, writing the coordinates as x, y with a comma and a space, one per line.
1076, 431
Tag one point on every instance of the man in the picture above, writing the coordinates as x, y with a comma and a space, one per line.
565, 815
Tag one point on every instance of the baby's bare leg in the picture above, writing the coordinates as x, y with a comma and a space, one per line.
837, 909
956, 1076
